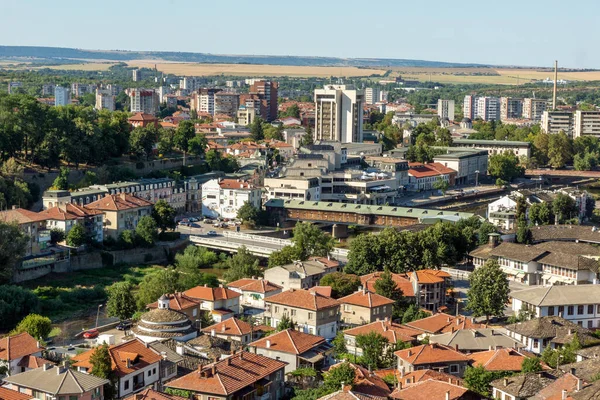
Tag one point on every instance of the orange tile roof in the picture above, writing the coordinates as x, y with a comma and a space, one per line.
231, 326
8, 394
393, 332
118, 202
402, 282
211, 294
367, 382
133, 350
17, 346
322, 290
430, 353
421, 375
420, 170
140, 116
255, 285
428, 390
289, 341
68, 212
327, 262
20, 216
427, 277
230, 375
499, 360
364, 298
151, 394
444, 323
568, 382
33, 362
177, 302
301, 298
234, 184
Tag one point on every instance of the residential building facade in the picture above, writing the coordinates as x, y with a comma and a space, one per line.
224, 197
105, 100
364, 307
338, 113
558, 121
121, 212
62, 96
586, 123
445, 109
144, 100
301, 274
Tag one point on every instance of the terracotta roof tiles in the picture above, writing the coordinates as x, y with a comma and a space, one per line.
151, 394
118, 202
301, 298
430, 389
365, 298
177, 302
254, 285
430, 353
392, 331
231, 326
442, 323
289, 341
211, 294
17, 346
8, 394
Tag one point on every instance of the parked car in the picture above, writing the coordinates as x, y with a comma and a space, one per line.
92, 333
192, 219
194, 225
124, 325
231, 223
184, 223
212, 233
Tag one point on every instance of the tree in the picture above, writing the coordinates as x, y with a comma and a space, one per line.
36, 325
142, 140
248, 213
585, 162
564, 207
338, 376
524, 235
57, 235
128, 239
521, 209
540, 214
442, 185
341, 284
183, 134
164, 215
197, 144
12, 249
311, 240
531, 364
386, 287
256, 129
484, 232
146, 230
292, 111
413, 313
155, 285
120, 302
339, 344
76, 236
242, 264
559, 150
190, 263
478, 379
307, 138
488, 292
373, 346
102, 368
62, 180
286, 323
540, 147
505, 166
16, 303
286, 255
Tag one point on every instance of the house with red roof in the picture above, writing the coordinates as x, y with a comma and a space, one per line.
151, 394
221, 303
432, 356
66, 216
121, 212
181, 303
9, 394
254, 291
142, 120
393, 332
135, 364
32, 224
434, 389
224, 197
424, 176
234, 329
241, 376
297, 349
312, 312
363, 307
367, 383
16, 352
500, 359
443, 323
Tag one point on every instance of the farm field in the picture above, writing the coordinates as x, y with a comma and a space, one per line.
93, 66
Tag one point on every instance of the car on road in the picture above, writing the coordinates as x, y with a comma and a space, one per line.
194, 225
124, 325
212, 233
92, 333
182, 223
192, 219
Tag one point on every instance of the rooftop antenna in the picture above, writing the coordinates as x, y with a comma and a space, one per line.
555, 83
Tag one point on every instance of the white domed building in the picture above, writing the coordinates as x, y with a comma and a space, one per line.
163, 323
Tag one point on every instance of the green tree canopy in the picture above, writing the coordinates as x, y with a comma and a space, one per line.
531, 364
505, 166
164, 215
36, 325
488, 292
248, 213
62, 180
147, 230
286, 323
311, 240
77, 236
183, 134
373, 346
102, 368
242, 264
189, 265
121, 302
153, 286
341, 284
564, 207
342, 374
12, 249
559, 149
286, 255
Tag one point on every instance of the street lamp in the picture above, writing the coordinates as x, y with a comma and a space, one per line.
98, 314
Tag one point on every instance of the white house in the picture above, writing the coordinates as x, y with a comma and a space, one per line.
224, 197
502, 212
254, 292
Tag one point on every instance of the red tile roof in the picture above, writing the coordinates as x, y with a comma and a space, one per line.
135, 350
211, 294
430, 353
364, 298
33, 362
428, 390
402, 282
300, 298
568, 382
393, 332
17, 346
230, 375
234, 184
151, 394
444, 323
255, 285
231, 326
499, 360
140, 116
322, 290
421, 375
20, 216
367, 382
289, 341
420, 170
8, 394
428, 276
68, 212
177, 302
118, 202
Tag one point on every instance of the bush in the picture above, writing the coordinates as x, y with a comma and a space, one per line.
15, 304
127, 239
169, 236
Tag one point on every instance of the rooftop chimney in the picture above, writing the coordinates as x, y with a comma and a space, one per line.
505, 381
493, 240
128, 363
268, 344
212, 332
564, 392
448, 395
223, 328
47, 367
409, 352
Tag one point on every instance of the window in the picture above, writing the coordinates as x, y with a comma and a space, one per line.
276, 309
535, 343
590, 324
72, 397
453, 368
561, 310
551, 310
590, 309
154, 370
293, 312
126, 386
580, 310
570, 310
149, 372
310, 315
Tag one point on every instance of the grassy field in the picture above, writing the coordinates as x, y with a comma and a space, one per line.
93, 66
195, 69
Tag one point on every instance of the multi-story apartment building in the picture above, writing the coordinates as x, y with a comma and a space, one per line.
121, 212
144, 100
65, 217
136, 75
297, 188
48, 89
579, 304
224, 197
203, 100
469, 164
445, 109
191, 83
359, 187
62, 96
587, 123
32, 224
79, 89
105, 100
267, 91
114, 88
312, 312
372, 95
510, 108
488, 108
14, 85
246, 114
519, 149
364, 307
557, 121
533, 109
338, 114
227, 103
470, 107
301, 274
254, 292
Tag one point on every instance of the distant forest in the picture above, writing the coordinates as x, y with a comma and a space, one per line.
56, 54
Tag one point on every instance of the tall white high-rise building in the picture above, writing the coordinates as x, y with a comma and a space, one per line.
339, 114
203, 100
557, 121
587, 123
144, 100
62, 96
105, 100
372, 95
533, 109
470, 107
445, 109
136, 75
488, 108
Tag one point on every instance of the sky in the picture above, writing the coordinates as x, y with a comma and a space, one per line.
510, 32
